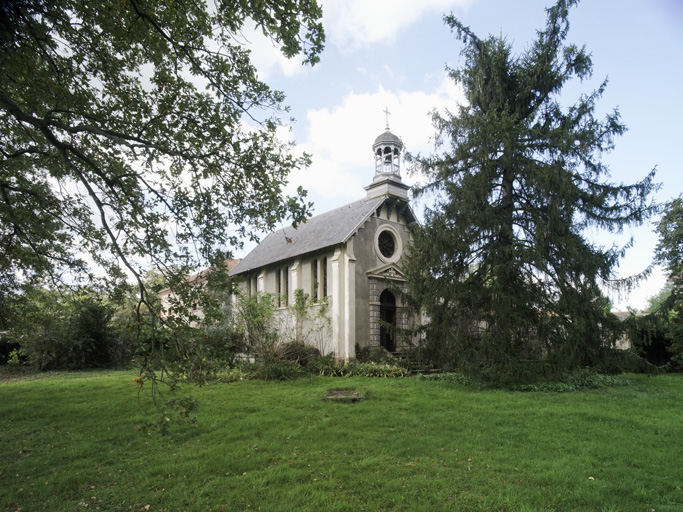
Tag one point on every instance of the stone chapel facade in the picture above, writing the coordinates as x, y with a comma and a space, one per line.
347, 260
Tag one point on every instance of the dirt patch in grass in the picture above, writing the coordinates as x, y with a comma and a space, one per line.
344, 395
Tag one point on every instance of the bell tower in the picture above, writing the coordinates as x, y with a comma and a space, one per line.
387, 180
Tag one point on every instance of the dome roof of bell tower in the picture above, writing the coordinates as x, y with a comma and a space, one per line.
388, 138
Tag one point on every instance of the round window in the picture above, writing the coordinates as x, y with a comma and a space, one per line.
386, 244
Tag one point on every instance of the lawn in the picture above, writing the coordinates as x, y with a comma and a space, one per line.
68, 443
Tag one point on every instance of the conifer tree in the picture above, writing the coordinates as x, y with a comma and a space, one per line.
502, 266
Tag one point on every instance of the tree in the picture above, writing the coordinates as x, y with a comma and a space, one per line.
669, 252
501, 266
137, 134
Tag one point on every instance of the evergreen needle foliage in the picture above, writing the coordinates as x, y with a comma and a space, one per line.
501, 265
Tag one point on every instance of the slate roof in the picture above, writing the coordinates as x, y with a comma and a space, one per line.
324, 230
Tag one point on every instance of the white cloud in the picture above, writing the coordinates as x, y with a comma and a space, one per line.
340, 138
351, 24
267, 57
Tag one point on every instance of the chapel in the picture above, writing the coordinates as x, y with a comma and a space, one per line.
347, 261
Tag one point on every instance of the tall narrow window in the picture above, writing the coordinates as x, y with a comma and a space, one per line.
324, 265
314, 280
249, 287
285, 291
278, 287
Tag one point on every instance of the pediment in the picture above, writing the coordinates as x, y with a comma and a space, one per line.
390, 271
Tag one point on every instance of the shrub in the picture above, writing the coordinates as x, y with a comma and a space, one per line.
450, 377
8, 346
254, 320
66, 333
374, 370
354, 369
324, 365
223, 343
370, 354
232, 375
298, 352
578, 380
272, 368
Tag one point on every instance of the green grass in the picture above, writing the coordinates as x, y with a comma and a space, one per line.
68, 443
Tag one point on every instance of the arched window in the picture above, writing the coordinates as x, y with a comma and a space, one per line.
314, 280
387, 316
282, 286
285, 290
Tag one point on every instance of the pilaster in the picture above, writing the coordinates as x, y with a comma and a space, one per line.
349, 302
337, 306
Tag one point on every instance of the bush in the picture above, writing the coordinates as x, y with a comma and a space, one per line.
223, 343
232, 375
298, 352
578, 380
271, 368
77, 338
354, 369
372, 354
56, 331
8, 346
451, 378
254, 320
323, 365
374, 370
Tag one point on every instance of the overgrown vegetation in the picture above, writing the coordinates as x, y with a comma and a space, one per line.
657, 334
75, 330
136, 136
254, 340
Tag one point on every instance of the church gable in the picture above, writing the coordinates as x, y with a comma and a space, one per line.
390, 272
396, 210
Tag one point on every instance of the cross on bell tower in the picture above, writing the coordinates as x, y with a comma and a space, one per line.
387, 149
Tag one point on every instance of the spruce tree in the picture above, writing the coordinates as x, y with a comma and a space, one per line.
502, 267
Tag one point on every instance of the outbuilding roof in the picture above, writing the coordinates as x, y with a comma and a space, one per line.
319, 232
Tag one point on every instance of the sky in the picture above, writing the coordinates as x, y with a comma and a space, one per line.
393, 54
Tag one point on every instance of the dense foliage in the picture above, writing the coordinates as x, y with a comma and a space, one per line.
74, 330
669, 251
501, 266
137, 134
659, 333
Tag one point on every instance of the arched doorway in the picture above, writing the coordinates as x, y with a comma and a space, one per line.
387, 315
